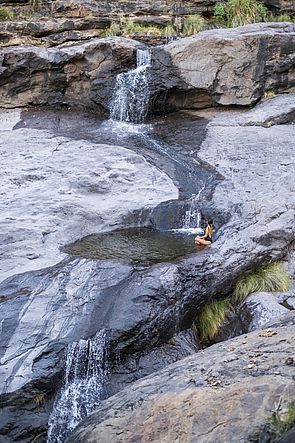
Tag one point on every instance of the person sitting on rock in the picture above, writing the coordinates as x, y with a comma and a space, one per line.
207, 238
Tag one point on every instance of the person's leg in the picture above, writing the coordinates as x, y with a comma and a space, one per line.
202, 241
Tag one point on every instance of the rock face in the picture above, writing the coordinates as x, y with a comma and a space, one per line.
226, 394
234, 67
143, 307
59, 189
81, 75
51, 32
260, 308
135, 7
284, 6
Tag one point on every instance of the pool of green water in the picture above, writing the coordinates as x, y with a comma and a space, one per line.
141, 245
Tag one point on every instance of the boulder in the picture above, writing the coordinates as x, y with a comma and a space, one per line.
224, 73
227, 393
260, 308
224, 66
80, 76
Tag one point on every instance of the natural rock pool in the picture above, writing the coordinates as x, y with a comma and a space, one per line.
142, 245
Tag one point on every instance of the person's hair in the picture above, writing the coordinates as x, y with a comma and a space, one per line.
211, 225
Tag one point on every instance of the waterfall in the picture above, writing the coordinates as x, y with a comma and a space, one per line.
192, 217
191, 221
131, 94
84, 386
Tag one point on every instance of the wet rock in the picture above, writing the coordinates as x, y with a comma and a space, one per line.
233, 77
138, 366
226, 393
143, 307
289, 437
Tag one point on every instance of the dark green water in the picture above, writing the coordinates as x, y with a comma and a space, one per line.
141, 245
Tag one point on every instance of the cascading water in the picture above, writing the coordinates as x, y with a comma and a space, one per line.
131, 95
191, 222
84, 386
191, 219
129, 104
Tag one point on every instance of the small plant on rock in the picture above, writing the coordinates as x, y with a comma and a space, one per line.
220, 14
282, 422
272, 278
192, 24
113, 30
211, 317
240, 12
39, 400
279, 18
5, 14
169, 30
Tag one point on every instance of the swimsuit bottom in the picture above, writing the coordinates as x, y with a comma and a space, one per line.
208, 239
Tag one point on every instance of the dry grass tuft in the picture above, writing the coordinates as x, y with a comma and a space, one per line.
272, 278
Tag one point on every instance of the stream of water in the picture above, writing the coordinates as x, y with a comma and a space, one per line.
131, 94
86, 361
84, 386
129, 107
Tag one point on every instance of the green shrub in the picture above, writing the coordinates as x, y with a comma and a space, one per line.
192, 24
211, 317
272, 278
220, 14
169, 30
5, 14
281, 423
279, 18
113, 30
128, 27
240, 12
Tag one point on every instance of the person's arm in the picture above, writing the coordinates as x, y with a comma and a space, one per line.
206, 233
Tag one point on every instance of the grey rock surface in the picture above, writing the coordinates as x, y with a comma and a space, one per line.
260, 308
139, 365
225, 71
142, 307
226, 393
284, 6
51, 32
56, 190
291, 302
79, 75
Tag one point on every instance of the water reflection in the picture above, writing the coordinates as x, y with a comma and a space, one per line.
141, 245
